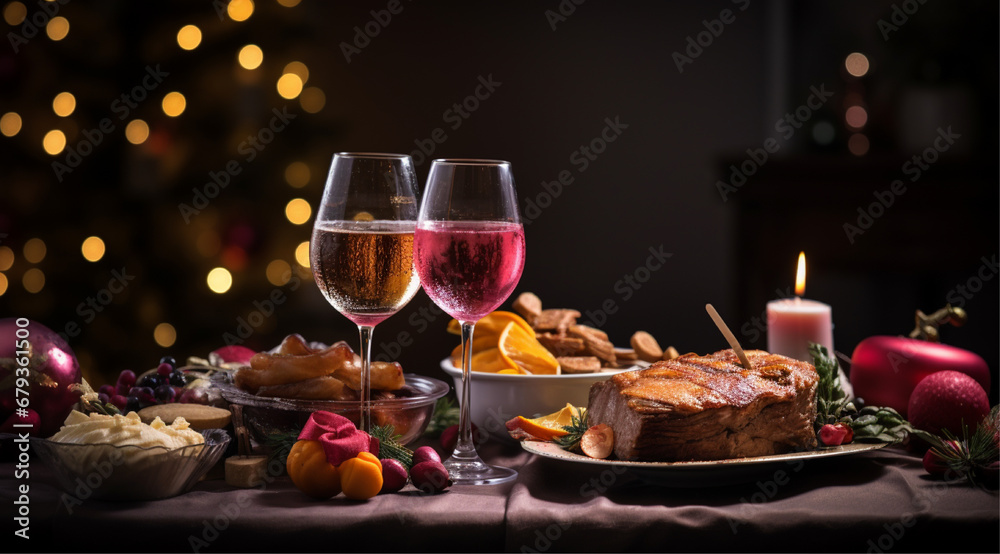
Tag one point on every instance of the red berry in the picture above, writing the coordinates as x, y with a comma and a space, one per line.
933, 464
164, 369
833, 435
449, 438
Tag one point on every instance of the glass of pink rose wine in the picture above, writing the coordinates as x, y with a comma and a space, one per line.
361, 251
469, 253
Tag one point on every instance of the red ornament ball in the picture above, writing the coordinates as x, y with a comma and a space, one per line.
946, 399
51, 369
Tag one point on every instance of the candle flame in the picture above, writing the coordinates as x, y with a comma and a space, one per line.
800, 276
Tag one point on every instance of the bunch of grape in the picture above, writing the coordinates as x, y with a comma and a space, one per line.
164, 385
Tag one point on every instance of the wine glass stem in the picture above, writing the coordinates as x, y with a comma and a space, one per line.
465, 444
366, 377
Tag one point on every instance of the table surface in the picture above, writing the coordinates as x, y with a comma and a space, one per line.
869, 502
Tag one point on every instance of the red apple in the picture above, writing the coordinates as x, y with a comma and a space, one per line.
885, 370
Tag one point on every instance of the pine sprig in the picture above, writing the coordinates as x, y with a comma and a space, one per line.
389, 446
830, 397
280, 444
574, 431
870, 424
445, 415
973, 455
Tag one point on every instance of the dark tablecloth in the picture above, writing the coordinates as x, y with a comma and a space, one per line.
877, 501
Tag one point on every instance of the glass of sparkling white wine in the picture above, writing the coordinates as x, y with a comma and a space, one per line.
361, 251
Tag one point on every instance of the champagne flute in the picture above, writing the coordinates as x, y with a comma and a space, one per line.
469, 254
362, 245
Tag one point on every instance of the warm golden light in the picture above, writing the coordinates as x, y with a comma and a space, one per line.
34, 250
298, 68
298, 211
189, 37
800, 276
3, 284
297, 174
240, 10
33, 280
251, 56
856, 64
14, 13
220, 280
10, 124
312, 100
6, 258
289, 86
302, 254
137, 131
858, 144
165, 335
174, 104
92, 249
58, 28
63, 104
278, 272
54, 142
856, 117
289, 3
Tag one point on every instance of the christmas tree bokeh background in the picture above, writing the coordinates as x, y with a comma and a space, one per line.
166, 204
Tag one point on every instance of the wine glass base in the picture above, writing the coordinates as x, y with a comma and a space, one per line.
477, 472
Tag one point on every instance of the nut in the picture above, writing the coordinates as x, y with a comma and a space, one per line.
646, 347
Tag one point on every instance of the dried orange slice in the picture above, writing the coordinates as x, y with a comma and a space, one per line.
546, 428
493, 324
520, 349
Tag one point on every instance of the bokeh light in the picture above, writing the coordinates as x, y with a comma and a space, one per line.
14, 13
251, 56
189, 37
10, 124
174, 104
856, 117
298, 68
220, 280
63, 104
33, 280
289, 86
858, 144
165, 335
92, 249
297, 174
58, 28
54, 142
278, 272
289, 3
34, 250
856, 64
137, 131
298, 211
312, 99
302, 254
3, 284
240, 10
6, 258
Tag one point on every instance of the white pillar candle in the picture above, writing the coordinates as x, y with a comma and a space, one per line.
792, 323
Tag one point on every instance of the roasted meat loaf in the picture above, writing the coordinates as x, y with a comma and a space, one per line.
709, 407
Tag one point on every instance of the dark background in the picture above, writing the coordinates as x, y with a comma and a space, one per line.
656, 184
